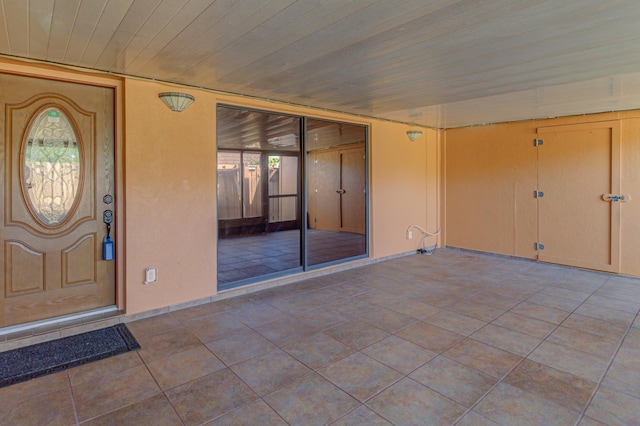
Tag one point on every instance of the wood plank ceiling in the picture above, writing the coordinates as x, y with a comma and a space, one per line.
439, 63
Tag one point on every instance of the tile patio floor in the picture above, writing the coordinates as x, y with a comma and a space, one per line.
453, 338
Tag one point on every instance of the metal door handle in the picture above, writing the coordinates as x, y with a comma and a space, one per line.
341, 191
614, 198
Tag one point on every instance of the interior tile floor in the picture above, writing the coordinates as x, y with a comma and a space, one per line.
240, 258
452, 338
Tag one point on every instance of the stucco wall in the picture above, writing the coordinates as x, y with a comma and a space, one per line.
169, 197
170, 179
404, 187
490, 173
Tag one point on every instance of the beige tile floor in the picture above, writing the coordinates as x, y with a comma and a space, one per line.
453, 338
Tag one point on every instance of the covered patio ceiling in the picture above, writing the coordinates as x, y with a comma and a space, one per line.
438, 63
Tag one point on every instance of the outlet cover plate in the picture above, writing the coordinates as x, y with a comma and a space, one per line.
150, 275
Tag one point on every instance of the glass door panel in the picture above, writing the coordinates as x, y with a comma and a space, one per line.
336, 191
259, 226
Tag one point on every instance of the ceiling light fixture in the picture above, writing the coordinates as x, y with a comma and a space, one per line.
176, 101
413, 134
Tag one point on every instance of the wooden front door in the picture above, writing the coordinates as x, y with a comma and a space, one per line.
57, 142
577, 165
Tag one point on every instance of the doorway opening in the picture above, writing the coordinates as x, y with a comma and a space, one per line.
278, 213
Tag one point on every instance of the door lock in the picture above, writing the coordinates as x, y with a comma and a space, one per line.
341, 191
107, 217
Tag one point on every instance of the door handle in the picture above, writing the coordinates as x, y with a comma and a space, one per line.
341, 191
614, 198
107, 242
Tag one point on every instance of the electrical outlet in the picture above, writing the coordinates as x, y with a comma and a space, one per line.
409, 235
150, 275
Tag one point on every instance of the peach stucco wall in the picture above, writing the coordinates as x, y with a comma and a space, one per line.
169, 197
490, 173
404, 187
170, 179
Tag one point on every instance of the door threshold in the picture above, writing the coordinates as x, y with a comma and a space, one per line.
52, 328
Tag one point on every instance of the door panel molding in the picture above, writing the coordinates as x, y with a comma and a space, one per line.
79, 262
25, 266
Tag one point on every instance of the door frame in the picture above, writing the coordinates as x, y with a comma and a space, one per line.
50, 72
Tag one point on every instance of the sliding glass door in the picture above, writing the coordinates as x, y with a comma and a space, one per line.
288, 199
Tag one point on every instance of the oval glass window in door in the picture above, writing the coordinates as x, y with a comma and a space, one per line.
51, 167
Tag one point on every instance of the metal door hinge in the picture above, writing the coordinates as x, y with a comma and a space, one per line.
538, 246
538, 194
538, 142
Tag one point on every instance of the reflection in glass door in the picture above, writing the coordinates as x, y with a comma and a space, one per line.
283, 192
240, 187
336, 201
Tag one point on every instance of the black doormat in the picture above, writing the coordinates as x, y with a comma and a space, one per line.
20, 365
